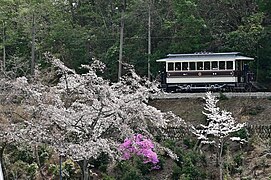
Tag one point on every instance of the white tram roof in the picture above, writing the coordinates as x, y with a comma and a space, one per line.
227, 56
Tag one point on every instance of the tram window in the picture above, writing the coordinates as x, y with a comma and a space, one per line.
221, 64
178, 66
185, 66
206, 65
229, 64
214, 65
170, 67
192, 65
199, 65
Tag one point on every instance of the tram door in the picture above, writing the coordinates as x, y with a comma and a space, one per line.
239, 66
163, 76
242, 70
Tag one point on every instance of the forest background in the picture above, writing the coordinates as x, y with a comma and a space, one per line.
79, 31
75, 31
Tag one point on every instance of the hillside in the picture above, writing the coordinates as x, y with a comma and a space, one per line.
251, 161
244, 109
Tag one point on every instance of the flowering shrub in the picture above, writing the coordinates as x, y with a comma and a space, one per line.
140, 146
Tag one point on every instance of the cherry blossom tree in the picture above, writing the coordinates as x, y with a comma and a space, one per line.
219, 128
84, 115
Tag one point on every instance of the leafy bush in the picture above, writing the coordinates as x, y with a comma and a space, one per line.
242, 134
44, 153
235, 166
101, 162
107, 177
177, 172
23, 170
69, 169
24, 154
189, 142
189, 170
256, 110
222, 96
127, 170
190, 165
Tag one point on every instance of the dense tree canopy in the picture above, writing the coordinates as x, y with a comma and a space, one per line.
76, 31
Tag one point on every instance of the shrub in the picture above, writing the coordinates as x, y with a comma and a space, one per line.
189, 142
222, 96
127, 170
101, 162
139, 146
256, 110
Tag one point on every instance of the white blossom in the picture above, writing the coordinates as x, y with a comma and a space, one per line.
220, 123
84, 115
219, 128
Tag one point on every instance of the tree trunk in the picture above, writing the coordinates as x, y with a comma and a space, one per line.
72, 12
32, 64
38, 161
149, 40
2, 160
60, 166
3, 67
84, 169
221, 161
121, 42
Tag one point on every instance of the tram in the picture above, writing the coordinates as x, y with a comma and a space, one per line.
227, 71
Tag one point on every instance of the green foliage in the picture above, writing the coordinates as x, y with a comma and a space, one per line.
255, 110
76, 31
23, 170
24, 154
247, 36
236, 165
169, 143
191, 167
190, 164
144, 168
20, 161
101, 162
45, 153
177, 172
242, 133
238, 159
222, 96
70, 170
127, 171
107, 177
135, 169
189, 142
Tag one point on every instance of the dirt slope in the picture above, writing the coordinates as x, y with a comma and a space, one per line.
251, 110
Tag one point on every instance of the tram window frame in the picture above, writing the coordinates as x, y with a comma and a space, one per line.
222, 65
185, 66
214, 65
170, 66
178, 66
229, 65
199, 65
192, 66
207, 65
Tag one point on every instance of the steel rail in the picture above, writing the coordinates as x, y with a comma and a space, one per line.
162, 95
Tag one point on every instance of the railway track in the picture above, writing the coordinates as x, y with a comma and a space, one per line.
202, 94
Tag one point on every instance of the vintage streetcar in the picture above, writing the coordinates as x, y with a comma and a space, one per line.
206, 71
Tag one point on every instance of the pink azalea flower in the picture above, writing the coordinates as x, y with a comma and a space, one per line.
140, 146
